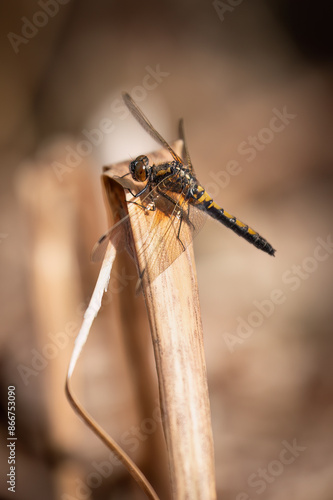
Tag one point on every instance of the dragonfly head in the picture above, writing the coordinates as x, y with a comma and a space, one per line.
139, 168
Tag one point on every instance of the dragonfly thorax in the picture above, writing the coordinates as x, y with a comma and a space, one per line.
140, 169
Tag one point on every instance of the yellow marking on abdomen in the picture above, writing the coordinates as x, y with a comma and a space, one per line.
204, 197
215, 205
240, 223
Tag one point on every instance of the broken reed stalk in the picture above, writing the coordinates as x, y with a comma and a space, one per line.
174, 314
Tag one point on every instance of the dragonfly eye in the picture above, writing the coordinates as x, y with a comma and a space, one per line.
139, 168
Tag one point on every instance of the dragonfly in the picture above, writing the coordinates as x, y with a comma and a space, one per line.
174, 203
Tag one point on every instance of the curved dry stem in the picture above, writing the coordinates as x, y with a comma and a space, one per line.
135, 472
89, 316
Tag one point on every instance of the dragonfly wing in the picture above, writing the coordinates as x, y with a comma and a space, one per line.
169, 224
120, 231
172, 227
99, 248
119, 234
145, 123
187, 154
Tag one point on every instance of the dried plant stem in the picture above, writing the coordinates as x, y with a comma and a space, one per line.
174, 314
173, 308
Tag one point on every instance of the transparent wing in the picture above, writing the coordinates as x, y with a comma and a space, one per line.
119, 234
170, 224
187, 154
173, 226
145, 123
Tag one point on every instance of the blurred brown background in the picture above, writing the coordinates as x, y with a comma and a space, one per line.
228, 68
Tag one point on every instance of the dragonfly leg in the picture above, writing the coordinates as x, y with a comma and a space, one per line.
188, 217
181, 217
151, 209
145, 207
140, 192
179, 228
147, 186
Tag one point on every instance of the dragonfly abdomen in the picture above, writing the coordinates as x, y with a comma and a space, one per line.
204, 202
